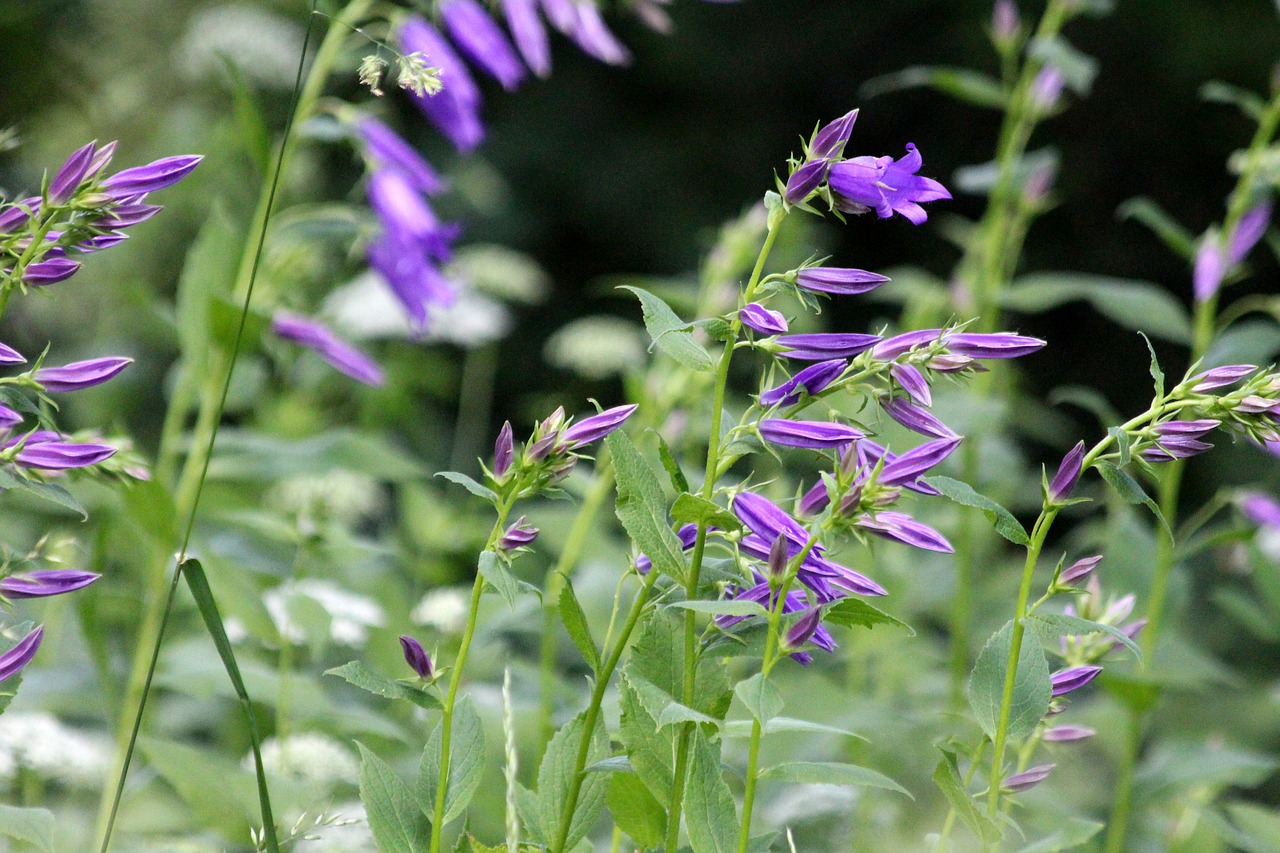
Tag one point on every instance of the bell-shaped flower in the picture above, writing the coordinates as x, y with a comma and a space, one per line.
1221, 377
837, 280
503, 451
760, 319
888, 186
321, 340
389, 151
455, 109
916, 461
50, 271
518, 535
818, 435
912, 381
825, 346
915, 418
157, 175
1069, 469
1066, 680
994, 345
73, 172
1027, 778
529, 34
482, 41
60, 455
831, 139
901, 527
416, 656
597, 427
9, 355
805, 180
810, 381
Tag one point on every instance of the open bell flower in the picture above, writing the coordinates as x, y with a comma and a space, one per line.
41, 584
885, 185
482, 41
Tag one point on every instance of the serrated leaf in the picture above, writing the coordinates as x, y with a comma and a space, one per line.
1032, 688
466, 762
358, 674
664, 708
1134, 304
964, 84
678, 481
855, 611
832, 773
962, 493
397, 824
575, 623
635, 811
470, 485
710, 816
650, 751
555, 775
29, 825
947, 777
723, 607
495, 571
698, 510
1051, 626
642, 509
657, 656
760, 696
742, 728
1164, 226
669, 333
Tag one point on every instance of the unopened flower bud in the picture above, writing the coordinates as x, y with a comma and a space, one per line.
1068, 734
503, 451
416, 657
1066, 680
1069, 469
778, 558
1027, 779
518, 535
1077, 570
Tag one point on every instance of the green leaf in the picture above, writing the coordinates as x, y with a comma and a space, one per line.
1134, 304
218, 792
963, 84
253, 127
721, 607
555, 775
53, 493
642, 509
678, 481
1130, 492
575, 622
1069, 837
832, 773
357, 673
635, 811
397, 824
698, 510
669, 333
657, 656
649, 750
33, 826
710, 816
496, 572
962, 493
1051, 626
662, 706
1164, 226
1182, 765
1218, 92
1121, 437
470, 485
742, 728
1032, 688
947, 777
207, 274
466, 762
760, 696
1157, 375
1257, 829
855, 611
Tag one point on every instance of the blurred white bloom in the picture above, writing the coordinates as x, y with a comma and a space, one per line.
473, 320
806, 802
342, 496
346, 831
38, 742
443, 609
1268, 542
502, 272
350, 615
597, 347
307, 757
261, 45
365, 309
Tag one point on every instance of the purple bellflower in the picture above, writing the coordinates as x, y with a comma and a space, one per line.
824, 346
40, 584
8, 417
80, 374
597, 427
389, 151
455, 109
1069, 469
868, 454
996, 345
12, 661
890, 348
321, 340
1221, 377
845, 282
518, 535
805, 180
563, 14
503, 451
901, 527
416, 657
51, 271
157, 175
73, 171
760, 319
831, 139
404, 212
1209, 268
482, 41
912, 381
18, 213
9, 355
795, 602
1262, 510
818, 435
1027, 779
915, 418
125, 215
60, 455
888, 186
1066, 680
595, 38
1078, 570
529, 34
1253, 225
917, 460
1068, 734
809, 381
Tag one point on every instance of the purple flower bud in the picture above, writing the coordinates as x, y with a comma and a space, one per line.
1220, 377
803, 629
59, 455
1247, 234
997, 345
818, 435
388, 150
831, 139
597, 426
1046, 89
846, 282
504, 450
901, 527
51, 271
915, 418
916, 461
767, 520
529, 34
67, 181
1174, 447
17, 214
911, 380
1069, 469
1068, 734
1027, 779
416, 656
1191, 429
1210, 267
45, 583
888, 186
1067, 680
812, 379
154, 176
1078, 570
821, 347
9, 355
596, 40
455, 109
1118, 610
1004, 20
815, 500
102, 241
518, 535
12, 661
323, 342
760, 319
1260, 509
1132, 630
805, 180
482, 41
101, 159
8, 417
891, 348
125, 215
949, 363
778, 554
563, 14
80, 374
687, 534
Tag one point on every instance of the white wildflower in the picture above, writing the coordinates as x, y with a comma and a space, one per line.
307, 757
350, 615
262, 45
39, 742
345, 831
597, 347
444, 609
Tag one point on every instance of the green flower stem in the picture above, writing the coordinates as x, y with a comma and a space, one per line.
776, 217
455, 679
593, 708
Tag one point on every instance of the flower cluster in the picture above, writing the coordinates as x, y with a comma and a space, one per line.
546, 458
17, 582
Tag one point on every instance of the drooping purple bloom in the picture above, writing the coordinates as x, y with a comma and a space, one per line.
911, 380
1173, 447
1069, 470
1221, 377
596, 39
1193, 429
9, 355
819, 435
767, 520
389, 151
157, 175
1067, 680
80, 374
1247, 234
886, 185
518, 535
416, 656
823, 346
455, 109
687, 534
1068, 734
73, 171
810, 381
12, 661
917, 460
1027, 779
1209, 269
503, 451
760, 319
61, 455
529, 34
845, 282
795, 602
482, 41
1078, 570
804, 181
597, 426
915, 418
996, 345
321, 340
1260, 509
901, 527
402, 210
869, 454
50, 271
44, 583
831, 139
416, 283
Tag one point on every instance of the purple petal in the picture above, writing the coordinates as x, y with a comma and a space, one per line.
80, 374
887, 187
812, 379
845, 282
891, 348
1078, 570
805, 180
1260, 509
51, 271
1027, 778
455, 110
818, 435
503, 451
9, 355
1209, 269
57, 455
416, 656
125, 215
915, 418
482, 41
821, 347
831, 139
1069, 469
916, 461
1247, 234
1067, 680
903, 528
321, 340
997, 345
1220, 377
154, 176
597, 426
12, 661
760, 319
596, 40
1068, 734
73, 171
388, 150
529, 34
911, 380
45, 583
